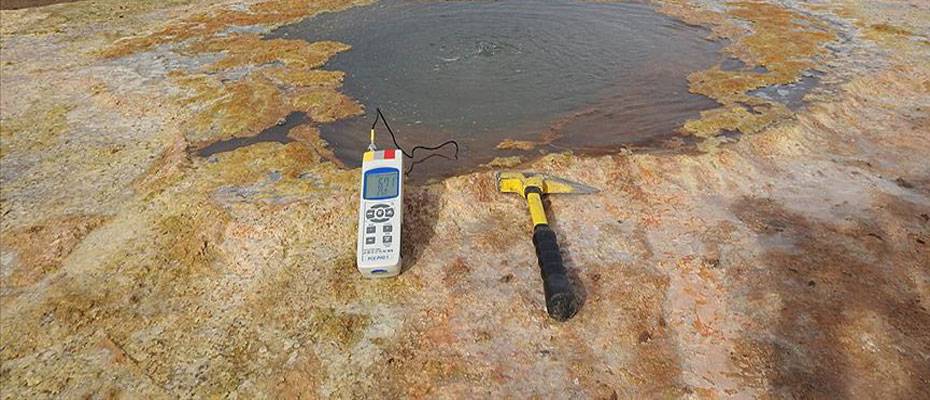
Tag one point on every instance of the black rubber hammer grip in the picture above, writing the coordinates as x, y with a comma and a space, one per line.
561, 302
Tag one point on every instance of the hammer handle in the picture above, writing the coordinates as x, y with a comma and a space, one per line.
561, 302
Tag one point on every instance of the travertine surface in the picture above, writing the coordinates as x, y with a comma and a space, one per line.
790, 263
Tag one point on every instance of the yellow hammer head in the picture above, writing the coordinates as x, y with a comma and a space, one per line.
517, 182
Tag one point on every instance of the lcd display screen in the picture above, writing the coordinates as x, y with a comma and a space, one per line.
381, 185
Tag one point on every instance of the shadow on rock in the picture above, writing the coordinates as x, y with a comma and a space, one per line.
841, 310
573, 275
421, 210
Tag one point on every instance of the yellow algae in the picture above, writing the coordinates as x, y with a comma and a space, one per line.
38, 128
251, 50
325, 105
245, 106
782, 41
510, 144
280, 75
736, 118
299, 77
254, 164
505, 162
719, 84
237, 108
309, 136
548, 136
211, 22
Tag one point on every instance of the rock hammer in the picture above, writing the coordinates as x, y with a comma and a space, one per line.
561, 300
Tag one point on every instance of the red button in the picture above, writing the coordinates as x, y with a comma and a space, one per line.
389, 154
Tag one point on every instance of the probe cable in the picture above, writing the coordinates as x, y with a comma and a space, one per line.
415, 148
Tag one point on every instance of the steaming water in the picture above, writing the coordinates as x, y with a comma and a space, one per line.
569, 75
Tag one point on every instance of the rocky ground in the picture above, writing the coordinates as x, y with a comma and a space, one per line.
785, 255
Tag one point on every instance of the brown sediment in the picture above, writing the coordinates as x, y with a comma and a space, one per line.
642, 336
112, 19
552, 133
888, 28
191, 240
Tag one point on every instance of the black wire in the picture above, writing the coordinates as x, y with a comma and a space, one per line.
424, 159
415, 148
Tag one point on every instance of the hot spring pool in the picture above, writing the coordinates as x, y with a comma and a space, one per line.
555, 75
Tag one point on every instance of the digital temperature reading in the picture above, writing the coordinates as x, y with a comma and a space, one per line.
381, 185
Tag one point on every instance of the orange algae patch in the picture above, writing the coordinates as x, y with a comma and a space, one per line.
42, 248
782, 41
895, 36
890, 29
167, 169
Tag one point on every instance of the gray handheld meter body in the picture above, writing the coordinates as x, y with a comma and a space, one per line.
380, 213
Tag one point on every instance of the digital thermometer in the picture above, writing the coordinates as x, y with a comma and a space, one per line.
380, 213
